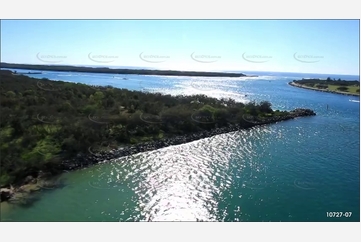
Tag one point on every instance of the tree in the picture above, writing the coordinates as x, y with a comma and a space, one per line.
221, 116
10, 94
251, 108
67, 119
265, 107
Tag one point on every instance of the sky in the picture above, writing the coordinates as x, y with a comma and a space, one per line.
305, 46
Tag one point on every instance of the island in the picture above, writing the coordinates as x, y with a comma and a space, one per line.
119, 71
29, 72
48, 127
339, 86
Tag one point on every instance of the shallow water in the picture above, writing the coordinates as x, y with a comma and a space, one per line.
296, 170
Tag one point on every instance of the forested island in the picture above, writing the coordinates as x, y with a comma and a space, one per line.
118, 71
330, 85
51, 126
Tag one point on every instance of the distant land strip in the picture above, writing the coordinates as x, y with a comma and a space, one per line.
119, 71
323, 90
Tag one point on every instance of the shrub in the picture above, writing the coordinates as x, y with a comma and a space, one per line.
344, 89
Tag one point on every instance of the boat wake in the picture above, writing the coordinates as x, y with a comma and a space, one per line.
355, 101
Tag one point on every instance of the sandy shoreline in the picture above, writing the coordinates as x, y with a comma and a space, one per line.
320, 90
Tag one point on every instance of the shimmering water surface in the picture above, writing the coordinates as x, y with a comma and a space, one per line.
291, 171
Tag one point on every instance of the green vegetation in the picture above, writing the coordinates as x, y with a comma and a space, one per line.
116, 71
331, 85
44, 122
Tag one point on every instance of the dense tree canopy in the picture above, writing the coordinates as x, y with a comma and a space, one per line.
44, 121
328, 81
116, 71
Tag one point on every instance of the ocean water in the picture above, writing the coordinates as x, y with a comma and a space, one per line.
296, 170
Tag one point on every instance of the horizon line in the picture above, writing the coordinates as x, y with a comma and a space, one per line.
153, 68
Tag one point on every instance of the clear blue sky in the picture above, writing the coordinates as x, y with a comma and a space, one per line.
309, 46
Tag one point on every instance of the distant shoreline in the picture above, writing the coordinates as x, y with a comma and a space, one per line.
322, 90
121, 71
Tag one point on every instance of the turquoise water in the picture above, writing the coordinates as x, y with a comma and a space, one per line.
291, 171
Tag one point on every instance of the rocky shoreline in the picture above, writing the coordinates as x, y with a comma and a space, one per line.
321, 90
21, 194
85, 160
